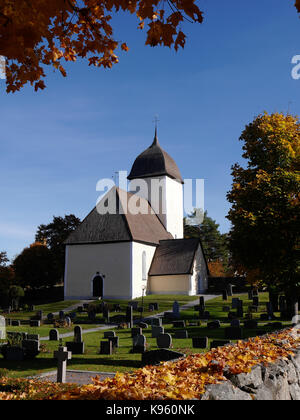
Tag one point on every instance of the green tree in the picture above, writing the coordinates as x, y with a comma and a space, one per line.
7, 277
265, 203
35, 267
15, 294
54, 235
213, 241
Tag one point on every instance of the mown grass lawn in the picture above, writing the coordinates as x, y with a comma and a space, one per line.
46, 308
122, 360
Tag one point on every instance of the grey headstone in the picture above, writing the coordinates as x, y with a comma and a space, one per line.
53, 335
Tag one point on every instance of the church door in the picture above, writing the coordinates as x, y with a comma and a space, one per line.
98, 286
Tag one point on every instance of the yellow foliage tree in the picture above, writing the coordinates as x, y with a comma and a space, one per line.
35, 33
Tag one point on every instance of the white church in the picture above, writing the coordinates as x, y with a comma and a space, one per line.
125, 255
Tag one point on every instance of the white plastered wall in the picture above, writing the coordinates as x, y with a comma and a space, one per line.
113, 260
171, 285
137, 266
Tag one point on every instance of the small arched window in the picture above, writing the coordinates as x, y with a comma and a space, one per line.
144, 266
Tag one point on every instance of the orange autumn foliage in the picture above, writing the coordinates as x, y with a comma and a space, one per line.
36, 33
184, 379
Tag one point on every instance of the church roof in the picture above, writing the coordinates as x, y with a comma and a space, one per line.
154, 161
119, 227
174, 257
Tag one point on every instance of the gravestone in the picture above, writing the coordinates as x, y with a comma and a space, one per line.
139, 344
233, 333
181, 334
105, 314
2, 328
179, 324
75, 347
31, 308
136, 331
117, 308
214, 325
235, 323
282, 304
108, 334
73, 316
129, 316
200, 342
61, 315
229, 290
240, 309
155, 306
53, 335
264, 317
39, 315
15, 323
156, 322
235, 303
62, 356
106, 347
86, 306
219, 343
224, 295
77, 334
154, 357
115, 341
34, 324
151, 307
255, 301
156, 331
50, 317
80, 309
270, 310
143, 325
250, 294
134, 305
35, 337
202, 302
164, 341
92, 316
31, 348
251, 324
204, 315
176, 310
226, 309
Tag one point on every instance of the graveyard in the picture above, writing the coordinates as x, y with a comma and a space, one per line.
115, 343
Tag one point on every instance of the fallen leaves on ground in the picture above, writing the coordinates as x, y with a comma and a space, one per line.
184, 379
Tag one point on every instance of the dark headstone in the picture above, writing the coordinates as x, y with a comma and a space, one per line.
264, 317
213, 325
154, 357
164, 341
136, 331
62, 316
251, 324
229, 290
31, 348
155, 306
270, 310
181, 334
106, 347
224, 295
250, 294
115, 341
108, 334
106, 313
77, 334
235, 303
156, 322
129, 316
200, 342
53, 335
15, 323
219, 343
139, 344
233, 333
75, 348
50, 317
255, 301
34, 324
143, 325
156, 331
240, 309
117, 308
226, 309
235, 323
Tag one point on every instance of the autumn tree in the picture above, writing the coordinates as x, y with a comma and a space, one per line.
54, 235
265, 203
7, 277
35, 268
39, 33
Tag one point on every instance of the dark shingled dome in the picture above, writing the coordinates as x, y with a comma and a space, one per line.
154, 161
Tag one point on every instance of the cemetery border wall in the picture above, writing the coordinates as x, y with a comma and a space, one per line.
279, 381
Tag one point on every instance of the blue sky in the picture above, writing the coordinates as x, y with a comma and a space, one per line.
56, 144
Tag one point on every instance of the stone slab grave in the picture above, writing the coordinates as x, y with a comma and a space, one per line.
106, 347
213, 325
200, 342
76, 346
156, 331
181, 334
219, 343
62, 355
139, 343
31, 348
164, 341
53, 335
233, 333
154, 357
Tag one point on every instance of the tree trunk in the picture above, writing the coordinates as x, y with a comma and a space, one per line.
292, 308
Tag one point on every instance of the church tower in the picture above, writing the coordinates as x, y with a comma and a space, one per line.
164, 186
